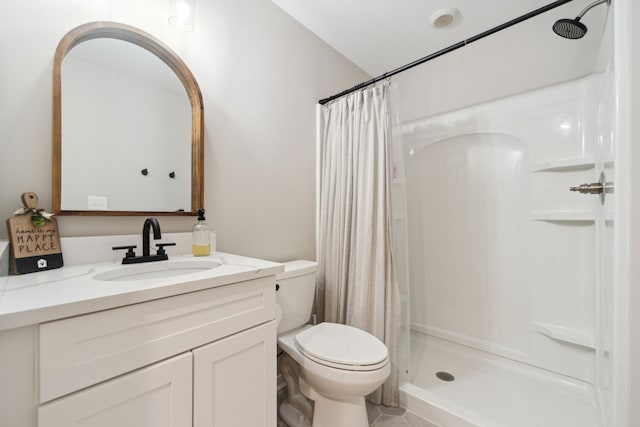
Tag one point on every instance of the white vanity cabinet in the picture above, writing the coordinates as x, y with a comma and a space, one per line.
204, 358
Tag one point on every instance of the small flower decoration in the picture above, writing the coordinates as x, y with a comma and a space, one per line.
38, 216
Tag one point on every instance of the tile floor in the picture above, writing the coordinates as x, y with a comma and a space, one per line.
383, 416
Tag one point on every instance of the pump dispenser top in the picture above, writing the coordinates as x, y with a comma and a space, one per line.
201, 245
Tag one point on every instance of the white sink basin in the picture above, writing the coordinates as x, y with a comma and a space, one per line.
155, 270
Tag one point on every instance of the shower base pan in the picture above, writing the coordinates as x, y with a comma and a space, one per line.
489, 391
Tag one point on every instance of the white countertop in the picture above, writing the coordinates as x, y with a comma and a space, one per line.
71, 290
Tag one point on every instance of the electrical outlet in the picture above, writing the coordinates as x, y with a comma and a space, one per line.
98, 203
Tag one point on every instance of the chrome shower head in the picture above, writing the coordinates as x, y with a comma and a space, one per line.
573, 28
570, 28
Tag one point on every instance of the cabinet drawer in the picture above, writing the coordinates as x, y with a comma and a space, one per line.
84, 350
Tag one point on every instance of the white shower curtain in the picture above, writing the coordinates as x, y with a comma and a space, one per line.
357, 284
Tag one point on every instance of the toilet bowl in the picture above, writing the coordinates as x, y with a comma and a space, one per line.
338, 364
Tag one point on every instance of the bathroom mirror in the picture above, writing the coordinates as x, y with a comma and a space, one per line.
127, 126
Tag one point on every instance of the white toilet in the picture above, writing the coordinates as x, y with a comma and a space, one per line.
334, 365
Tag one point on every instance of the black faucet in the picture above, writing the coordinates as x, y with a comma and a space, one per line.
148, 223
161, 255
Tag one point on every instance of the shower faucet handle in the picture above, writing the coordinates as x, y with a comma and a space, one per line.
601, 187
593, 188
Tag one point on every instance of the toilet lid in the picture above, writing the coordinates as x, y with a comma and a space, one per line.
345, 346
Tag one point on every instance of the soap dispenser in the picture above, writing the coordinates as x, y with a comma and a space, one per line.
201, 237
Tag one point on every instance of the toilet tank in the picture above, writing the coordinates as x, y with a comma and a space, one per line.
296, 290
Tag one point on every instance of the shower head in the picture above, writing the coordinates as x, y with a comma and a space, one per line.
573, 28
570, 28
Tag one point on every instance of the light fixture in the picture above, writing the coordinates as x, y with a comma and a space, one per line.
181, 14
445, 18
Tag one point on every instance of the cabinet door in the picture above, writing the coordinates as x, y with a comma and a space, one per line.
156, 396
235, 380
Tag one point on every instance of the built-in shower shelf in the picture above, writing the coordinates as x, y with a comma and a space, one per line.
562, 215
569, 335
576, 164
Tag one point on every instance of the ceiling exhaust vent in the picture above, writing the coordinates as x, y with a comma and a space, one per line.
445, 18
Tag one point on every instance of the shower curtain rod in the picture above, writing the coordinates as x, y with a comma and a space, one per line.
446, 50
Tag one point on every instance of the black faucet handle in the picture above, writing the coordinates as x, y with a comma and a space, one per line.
161, 246
130, 253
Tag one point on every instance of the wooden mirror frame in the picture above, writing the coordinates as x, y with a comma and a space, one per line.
114, 30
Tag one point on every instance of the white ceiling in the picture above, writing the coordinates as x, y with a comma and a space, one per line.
381, 35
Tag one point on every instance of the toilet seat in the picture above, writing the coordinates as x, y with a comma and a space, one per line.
342, 347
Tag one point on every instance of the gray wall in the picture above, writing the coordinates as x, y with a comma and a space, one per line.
260, 73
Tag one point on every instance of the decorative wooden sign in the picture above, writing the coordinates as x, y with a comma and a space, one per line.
35, 242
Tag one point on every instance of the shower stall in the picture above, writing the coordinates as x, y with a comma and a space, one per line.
503, 215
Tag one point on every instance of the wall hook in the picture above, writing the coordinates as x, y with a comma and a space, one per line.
172, 174
144, 172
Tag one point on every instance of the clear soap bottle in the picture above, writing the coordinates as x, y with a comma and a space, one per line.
201, 237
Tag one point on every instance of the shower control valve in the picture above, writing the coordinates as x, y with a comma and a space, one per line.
593, 188
601, 187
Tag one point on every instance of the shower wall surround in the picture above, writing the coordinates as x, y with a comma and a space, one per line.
502, 257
